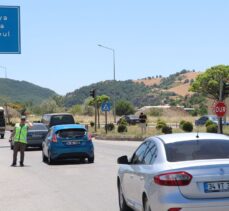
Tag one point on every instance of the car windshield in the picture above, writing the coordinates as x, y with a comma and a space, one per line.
38, 127
133, 117
197, 150
214, 118
62, 119
71, 133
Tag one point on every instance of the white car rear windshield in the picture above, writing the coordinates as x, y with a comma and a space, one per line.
197, 150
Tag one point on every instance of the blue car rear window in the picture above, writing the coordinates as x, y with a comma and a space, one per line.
71, 133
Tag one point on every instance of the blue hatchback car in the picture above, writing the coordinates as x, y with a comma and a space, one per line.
67, 142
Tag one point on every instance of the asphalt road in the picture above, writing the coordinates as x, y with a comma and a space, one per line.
65, 186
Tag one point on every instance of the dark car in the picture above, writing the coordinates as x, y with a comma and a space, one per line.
130, 119
57, 119
35, 136
202, 120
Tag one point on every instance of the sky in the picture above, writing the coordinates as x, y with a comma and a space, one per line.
59, 40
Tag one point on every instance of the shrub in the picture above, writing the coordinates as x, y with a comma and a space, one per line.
110, 126
181, 124
92, 124
123, 122
160, 124
213, 128
187, 127
124, 108
166, 129
122, 128
209, 122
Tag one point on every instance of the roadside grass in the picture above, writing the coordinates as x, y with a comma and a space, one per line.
133, 131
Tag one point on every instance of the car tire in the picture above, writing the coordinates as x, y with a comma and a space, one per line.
44, 158
2, 136
146, 205
50, 160
82, 160
91, 159
122, 202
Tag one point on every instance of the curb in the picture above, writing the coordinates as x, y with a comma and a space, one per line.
109, 138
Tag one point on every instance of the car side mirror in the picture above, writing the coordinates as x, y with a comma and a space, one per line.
123, 160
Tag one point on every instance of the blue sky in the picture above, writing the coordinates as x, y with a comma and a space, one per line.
59, 40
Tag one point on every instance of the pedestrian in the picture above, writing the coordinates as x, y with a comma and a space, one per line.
19, 136
143, 123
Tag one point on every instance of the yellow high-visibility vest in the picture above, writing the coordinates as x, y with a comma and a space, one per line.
21, 133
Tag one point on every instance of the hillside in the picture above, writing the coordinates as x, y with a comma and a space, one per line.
149, 81
22, 91
182, 87
148, 91
124, 90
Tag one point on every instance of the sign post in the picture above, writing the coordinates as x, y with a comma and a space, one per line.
10, 32
105, 107
220, 109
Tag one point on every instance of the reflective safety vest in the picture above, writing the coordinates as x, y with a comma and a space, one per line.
21, 133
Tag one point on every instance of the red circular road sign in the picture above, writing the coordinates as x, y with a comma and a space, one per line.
220, 108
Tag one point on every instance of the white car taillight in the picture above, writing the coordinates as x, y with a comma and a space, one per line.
180, 178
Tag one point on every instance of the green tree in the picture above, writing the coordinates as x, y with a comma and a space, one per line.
97, 101
208, 83
124, 107
76, 109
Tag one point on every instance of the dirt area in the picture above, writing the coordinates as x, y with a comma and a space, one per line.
181, 89
149, 82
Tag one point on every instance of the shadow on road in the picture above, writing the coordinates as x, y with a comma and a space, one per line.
69, 162
4, 147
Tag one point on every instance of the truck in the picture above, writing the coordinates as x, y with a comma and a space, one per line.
2, 123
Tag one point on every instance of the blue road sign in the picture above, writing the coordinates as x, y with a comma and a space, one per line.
106, 106
10, 35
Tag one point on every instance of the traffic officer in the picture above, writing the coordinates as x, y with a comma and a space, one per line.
19, 137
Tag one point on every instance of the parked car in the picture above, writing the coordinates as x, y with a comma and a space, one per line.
130, 119
186, 171
68, 142
35, 136
57, 119
202, 120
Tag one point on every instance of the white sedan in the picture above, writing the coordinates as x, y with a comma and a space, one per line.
176, 172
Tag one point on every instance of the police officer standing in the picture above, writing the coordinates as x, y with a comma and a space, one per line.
19, 137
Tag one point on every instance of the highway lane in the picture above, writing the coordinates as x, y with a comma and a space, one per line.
65, 185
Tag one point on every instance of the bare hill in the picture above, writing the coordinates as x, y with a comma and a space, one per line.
149, 82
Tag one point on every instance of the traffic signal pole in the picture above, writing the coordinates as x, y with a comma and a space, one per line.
93, 94
220, 122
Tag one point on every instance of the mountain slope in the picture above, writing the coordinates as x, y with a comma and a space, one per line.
22, 91
124, 90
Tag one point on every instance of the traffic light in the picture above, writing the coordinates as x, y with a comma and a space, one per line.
225, 89
92, 93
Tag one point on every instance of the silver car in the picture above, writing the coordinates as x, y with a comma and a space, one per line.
176, 172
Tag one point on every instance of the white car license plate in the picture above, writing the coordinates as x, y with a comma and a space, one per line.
72, 142
216, 186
